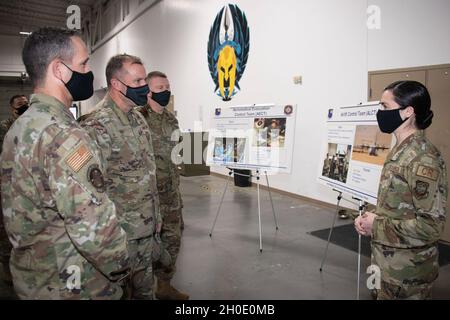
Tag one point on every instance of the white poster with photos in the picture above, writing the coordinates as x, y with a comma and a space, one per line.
355, 151
253, 137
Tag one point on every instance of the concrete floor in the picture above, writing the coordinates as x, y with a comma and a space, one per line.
230, 266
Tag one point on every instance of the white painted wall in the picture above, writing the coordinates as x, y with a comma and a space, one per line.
325, 41
413, 33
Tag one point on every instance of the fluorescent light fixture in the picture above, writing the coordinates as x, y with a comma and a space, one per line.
25, 33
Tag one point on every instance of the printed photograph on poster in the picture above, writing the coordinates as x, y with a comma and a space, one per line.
336, 162
219, 149
371, 145
229, 149
269, 132
239, 149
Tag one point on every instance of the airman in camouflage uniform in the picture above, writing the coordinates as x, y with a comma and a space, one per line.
165, 130
18, 104
58, 221
411, 207
67, 242
125, 142
411, 213
4, 127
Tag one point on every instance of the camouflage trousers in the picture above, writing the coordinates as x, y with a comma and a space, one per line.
6, 284
139, 285
171, 238
390, 291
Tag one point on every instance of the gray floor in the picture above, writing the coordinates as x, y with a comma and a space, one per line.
230, 266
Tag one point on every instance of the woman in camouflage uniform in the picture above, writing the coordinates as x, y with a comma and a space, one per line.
411, 209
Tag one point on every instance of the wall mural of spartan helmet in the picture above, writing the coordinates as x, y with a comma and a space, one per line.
228, 48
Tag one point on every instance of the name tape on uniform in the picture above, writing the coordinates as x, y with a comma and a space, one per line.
427, 172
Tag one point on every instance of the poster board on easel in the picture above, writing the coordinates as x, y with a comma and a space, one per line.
253, 137
354, 151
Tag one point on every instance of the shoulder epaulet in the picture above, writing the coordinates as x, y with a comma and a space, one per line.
100, 116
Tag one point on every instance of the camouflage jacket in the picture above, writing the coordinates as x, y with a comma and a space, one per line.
165, 136
126, 146
4, 127
67, 242
5, 246
411, 206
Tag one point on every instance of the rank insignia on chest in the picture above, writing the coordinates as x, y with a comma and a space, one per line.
79, 158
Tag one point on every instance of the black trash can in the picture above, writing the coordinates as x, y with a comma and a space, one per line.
242, 178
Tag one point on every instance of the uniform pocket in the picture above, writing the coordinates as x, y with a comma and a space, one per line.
397, 196
129, 188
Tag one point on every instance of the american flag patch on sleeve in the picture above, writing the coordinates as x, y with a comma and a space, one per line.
79, 158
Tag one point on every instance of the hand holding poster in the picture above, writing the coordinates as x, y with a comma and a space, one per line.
355, 151
257, 137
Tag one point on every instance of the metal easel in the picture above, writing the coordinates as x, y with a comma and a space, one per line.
258, 177
361, 207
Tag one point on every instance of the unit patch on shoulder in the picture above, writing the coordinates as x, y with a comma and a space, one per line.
79, 158
421, 189
95, 176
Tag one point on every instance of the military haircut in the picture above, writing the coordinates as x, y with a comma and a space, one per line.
115, 65
11, 101
42, 47
155, 74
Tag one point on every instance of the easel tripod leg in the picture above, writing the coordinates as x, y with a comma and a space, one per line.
220, 204
271, 201
259, 211
359, 267
331, 231
361, 209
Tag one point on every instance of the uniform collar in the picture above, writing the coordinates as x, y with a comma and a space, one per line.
396, 152
156, 114
55, 107
123, 117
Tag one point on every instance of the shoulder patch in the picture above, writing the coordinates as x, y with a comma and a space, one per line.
427, 172
421, 189
95, 176
78, 158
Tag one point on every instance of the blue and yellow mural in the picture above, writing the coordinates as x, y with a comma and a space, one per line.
228, 47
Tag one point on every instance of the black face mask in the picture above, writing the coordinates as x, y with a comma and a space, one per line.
389, 120
138, 95
21, 110
162, 98
80, 85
